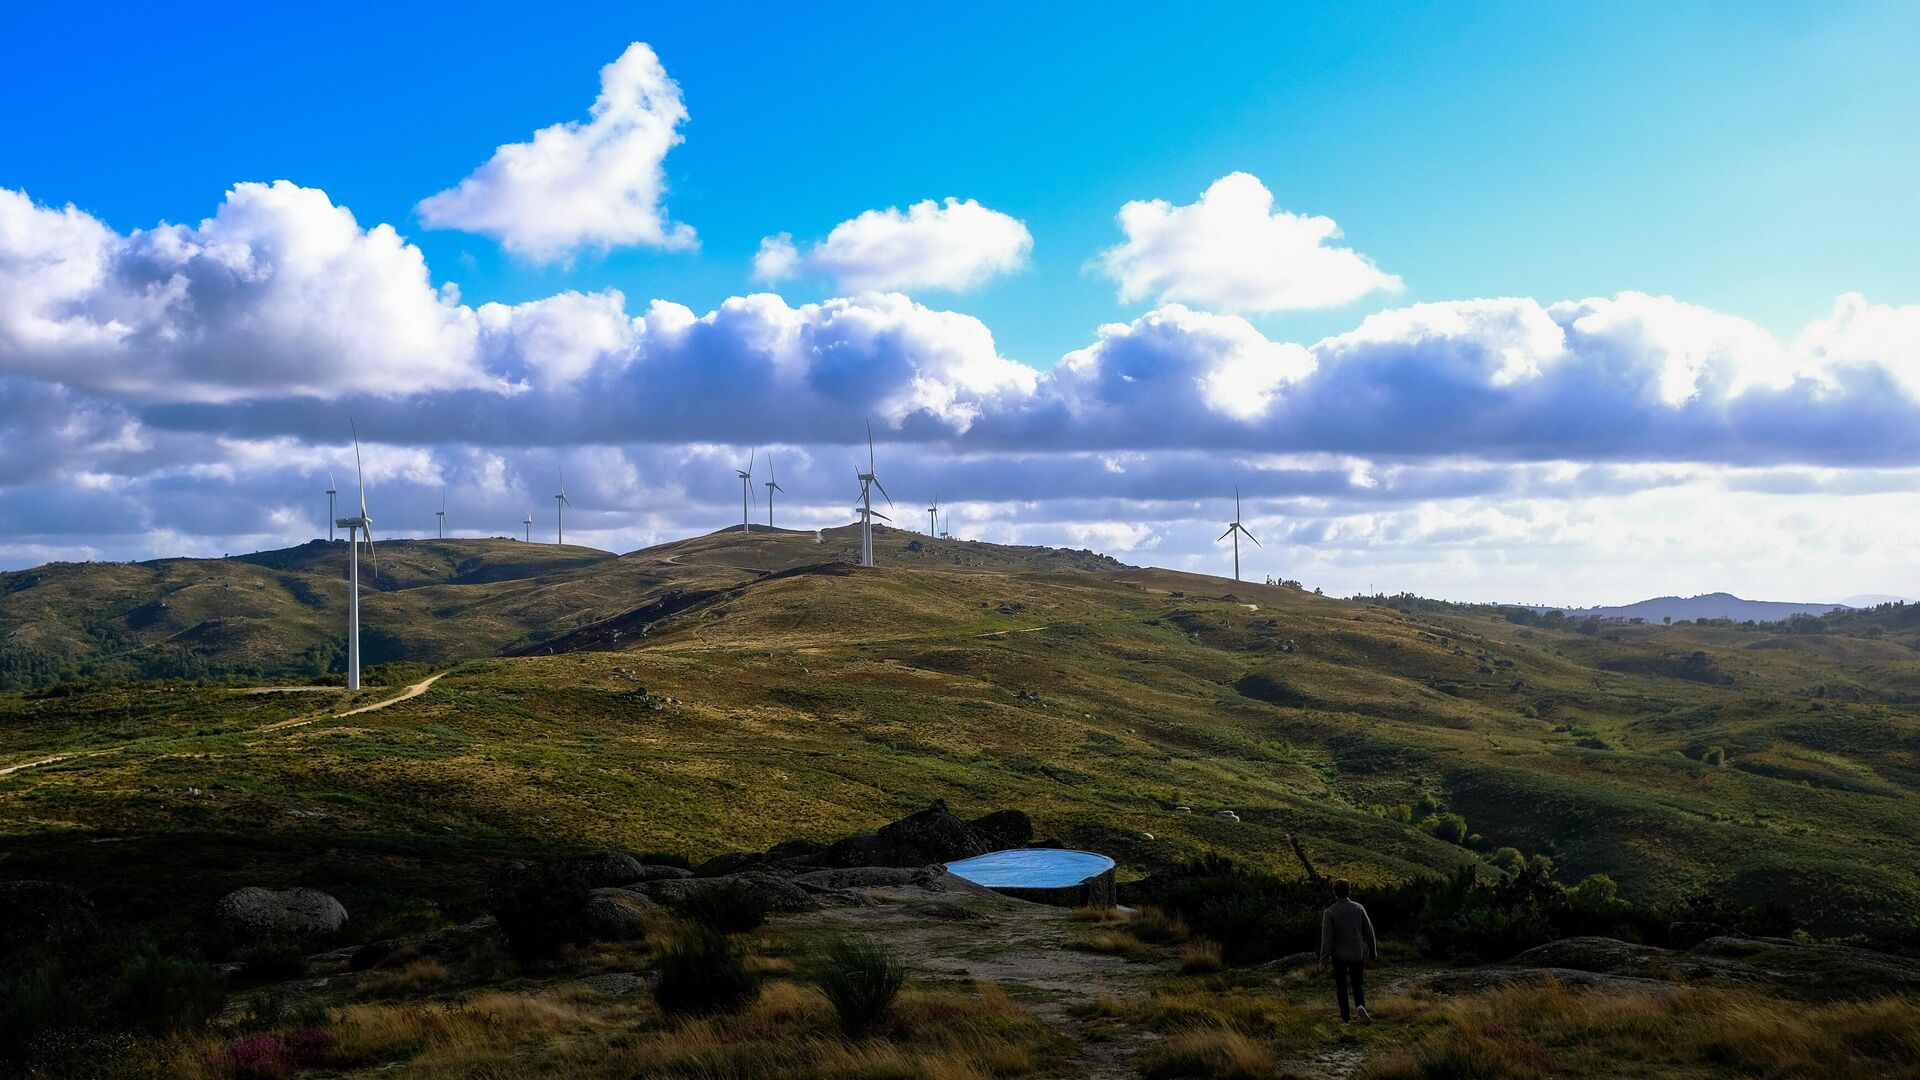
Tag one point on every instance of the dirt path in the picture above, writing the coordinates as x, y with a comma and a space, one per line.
408, 694
44, 761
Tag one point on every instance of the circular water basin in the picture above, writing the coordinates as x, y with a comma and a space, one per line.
1031, 868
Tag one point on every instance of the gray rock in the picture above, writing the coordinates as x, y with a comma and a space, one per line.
934, 835
1829, 967
1609, 956
861, 877
613, 983
1290, 963
600, 869
617, 914
948, 910
254, 913
778, 893
657, 872
36, 914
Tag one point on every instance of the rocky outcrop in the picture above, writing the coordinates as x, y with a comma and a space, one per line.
1781, 963
610, 869
933, 835
254, 914
862, 877
616, 914
43, 914
927, 838
778, 894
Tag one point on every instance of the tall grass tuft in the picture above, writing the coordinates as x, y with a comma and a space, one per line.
861, 977
1211, 1053
701, 973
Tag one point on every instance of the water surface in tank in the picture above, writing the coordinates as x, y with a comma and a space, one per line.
1031, 868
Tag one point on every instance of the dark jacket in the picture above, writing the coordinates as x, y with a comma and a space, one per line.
1346, 933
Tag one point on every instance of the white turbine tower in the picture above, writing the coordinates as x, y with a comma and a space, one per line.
869, 480
771, 488
1236, 530
933, 517
529, 524
559, 519
357, 528
746, 491
442, 515
332, 490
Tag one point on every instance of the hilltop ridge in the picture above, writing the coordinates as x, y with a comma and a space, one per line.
280, 614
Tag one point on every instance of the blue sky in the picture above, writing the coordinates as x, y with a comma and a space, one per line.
1752, 161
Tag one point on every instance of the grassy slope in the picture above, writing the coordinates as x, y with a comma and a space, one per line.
813, 703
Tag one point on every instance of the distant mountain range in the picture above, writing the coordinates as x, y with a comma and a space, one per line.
1718, 605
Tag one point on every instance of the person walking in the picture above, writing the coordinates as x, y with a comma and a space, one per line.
1347, 942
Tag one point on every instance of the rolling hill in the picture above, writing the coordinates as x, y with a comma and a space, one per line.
1718, 605
726, 692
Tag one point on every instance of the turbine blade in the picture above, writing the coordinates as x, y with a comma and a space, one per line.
1250, 536
1223, 536
881, 516
883, 490
1236, 503
869, 446
358, 471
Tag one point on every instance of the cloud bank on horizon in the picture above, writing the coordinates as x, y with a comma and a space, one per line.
199, 375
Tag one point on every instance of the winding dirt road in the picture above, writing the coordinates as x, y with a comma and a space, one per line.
408, 694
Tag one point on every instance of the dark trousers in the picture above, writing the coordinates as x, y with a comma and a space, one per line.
1354, 973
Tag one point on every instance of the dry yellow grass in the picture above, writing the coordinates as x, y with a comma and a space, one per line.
1216, 1053
1529, 1032
417, 977
1200, 957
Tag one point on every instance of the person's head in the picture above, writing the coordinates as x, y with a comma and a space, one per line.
1341, 888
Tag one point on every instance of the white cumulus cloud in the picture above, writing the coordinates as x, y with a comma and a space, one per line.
281, 293
1232, 251
956, 245
598, 184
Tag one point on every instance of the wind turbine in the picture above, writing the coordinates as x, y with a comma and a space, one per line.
332, 490
356, 527
868, 481
771, 488
746, 491
442, 515
529, 525
1235, 530
933, 517
559, 520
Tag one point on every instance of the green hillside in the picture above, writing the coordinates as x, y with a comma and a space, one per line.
279, 616
727, 692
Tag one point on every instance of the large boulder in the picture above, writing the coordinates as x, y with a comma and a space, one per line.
609, 869
777, 893
933, 835
861, 877
42, 914
616, 915
254, 913
1006, 828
